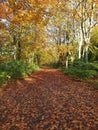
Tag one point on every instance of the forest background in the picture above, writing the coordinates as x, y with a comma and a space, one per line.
58, 33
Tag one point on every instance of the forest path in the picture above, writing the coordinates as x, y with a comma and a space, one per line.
48, 100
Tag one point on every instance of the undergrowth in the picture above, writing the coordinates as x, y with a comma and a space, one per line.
15, 69
82, 70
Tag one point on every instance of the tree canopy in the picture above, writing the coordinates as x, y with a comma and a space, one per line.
48, 31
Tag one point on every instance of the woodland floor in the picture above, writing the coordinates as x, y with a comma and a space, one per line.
48, 100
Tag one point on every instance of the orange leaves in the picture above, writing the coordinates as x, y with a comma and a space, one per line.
22, 17
28, 37
5, 10
25, 11
2, 11
16, 5
42, 3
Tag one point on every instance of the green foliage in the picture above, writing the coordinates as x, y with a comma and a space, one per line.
82, 70
93, 47
15, 69
94, 36
4, 78
85, 66
82, 74
32, 68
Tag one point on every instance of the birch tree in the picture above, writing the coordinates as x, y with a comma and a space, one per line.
86, 12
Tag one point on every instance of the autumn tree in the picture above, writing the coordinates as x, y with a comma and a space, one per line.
34, 24
26, 22
85, 13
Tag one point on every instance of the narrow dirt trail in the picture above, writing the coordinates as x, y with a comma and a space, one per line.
48, 100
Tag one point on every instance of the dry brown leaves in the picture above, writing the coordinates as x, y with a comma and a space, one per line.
48, 100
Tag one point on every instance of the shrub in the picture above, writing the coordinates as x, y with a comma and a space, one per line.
79, 73
83, 65
15, 69
32, 68
82, 70
4, 78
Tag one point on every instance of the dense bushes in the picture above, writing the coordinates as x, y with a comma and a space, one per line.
3, 78
15, 69
82, 70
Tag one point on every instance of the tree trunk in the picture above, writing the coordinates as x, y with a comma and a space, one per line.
18, 51
67, 62
79, 51
86, 53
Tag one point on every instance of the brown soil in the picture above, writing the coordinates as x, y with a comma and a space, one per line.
48, 100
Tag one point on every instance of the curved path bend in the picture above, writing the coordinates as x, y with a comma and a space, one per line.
48, 100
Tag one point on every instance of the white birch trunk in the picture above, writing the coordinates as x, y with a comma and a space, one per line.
67, 62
